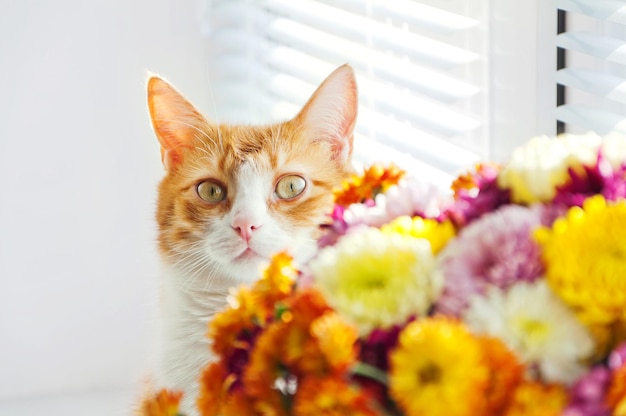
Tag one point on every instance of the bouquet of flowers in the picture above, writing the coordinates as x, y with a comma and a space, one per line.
507, 297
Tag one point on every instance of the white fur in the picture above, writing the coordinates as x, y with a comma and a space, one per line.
196, 285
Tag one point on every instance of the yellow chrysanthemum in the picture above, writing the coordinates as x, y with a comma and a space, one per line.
374, 180
585, 259
438, 369
537, 399
373, 279
437, 233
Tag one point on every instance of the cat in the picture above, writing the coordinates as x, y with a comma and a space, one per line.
232, 196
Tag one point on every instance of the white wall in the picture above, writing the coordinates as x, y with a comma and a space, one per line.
78, 172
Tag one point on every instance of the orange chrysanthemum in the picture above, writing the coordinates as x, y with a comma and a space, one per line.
266, 368
616, 395
214, 385
374, 180
471, 181
307, 340
163, 403
331, 396
536, 399
275, 285
506, 373
336, 340
227, 325
250, 309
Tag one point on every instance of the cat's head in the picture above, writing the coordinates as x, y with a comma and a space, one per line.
234, 195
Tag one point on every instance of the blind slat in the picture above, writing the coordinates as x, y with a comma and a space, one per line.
595, 82
436, 85
603, 47
591, 118
305, 36
608, 10
421, 16
411, 12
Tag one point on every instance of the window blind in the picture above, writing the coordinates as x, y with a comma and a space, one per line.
421, 70
595, 72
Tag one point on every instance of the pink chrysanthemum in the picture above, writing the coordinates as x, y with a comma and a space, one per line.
497, 249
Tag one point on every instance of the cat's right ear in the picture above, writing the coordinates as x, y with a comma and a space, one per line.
175, 121
330, 114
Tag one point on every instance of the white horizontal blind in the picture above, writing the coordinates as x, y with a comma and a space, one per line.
421, 68
595, 70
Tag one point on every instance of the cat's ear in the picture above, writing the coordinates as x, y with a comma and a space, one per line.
175, 120
330, 113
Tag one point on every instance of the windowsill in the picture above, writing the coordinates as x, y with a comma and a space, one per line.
101, 403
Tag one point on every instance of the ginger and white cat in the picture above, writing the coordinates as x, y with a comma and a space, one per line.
232, 196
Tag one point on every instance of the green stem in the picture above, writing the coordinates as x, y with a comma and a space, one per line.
369, 371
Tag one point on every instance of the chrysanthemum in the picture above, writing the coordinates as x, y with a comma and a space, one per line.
214, 386
374, 180
534, 323
163, 403
537, 168
587, 395
307, 339
497, 249
616, 395
275, 284
331, 396
336, 341
375, 279
614, 149
227, 326
476, 193
506, 373
538, 399
438, 369
409, 197
585, 259
437, 233
267, 368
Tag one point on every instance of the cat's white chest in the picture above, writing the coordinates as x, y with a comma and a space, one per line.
184, 348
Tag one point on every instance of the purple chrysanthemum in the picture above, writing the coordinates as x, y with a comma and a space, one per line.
498, 249
587, 394
600, 178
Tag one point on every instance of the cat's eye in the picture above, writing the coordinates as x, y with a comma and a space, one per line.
211, 192
290, 186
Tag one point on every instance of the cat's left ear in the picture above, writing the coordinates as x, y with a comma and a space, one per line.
330, 114
175, 120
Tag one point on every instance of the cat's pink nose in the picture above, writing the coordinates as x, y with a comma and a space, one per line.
245, 226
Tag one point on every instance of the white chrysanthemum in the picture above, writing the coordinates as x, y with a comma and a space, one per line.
537, 325
375, 279
614, 149
537, 168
